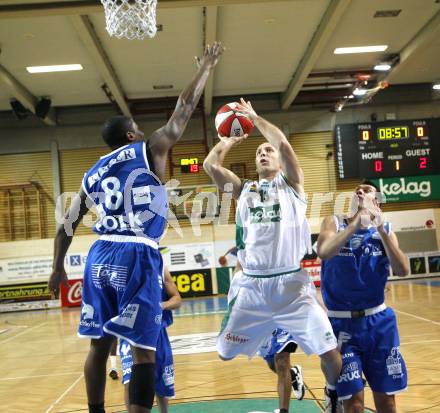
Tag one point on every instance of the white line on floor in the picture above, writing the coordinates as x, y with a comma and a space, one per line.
23, 332
64, 394
419, 342
416, 316
39, 376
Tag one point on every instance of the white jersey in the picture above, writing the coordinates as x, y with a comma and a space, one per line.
273, 234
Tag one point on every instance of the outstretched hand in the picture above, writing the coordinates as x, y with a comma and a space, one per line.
56, 278
211, 55
246, 109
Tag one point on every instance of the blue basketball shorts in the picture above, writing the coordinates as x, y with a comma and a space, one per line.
122, 293
370, 345
280, 341
164, 364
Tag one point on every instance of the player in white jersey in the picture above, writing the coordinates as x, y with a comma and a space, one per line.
274, 292
121, 293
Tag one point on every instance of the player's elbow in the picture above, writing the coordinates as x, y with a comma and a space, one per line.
323, 252
209, 167
402, 270
178, 301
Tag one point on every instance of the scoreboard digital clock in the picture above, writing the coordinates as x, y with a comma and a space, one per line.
388, 149
189, 165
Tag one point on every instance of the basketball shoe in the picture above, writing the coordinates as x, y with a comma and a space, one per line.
297, 382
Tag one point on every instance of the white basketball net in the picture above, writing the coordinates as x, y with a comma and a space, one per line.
130, 19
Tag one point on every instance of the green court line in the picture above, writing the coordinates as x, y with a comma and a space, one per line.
266, 405
196, 314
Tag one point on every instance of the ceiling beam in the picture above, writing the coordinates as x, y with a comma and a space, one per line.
210, 16
427, 33
78, 7
328, 23
26, 98
87, 34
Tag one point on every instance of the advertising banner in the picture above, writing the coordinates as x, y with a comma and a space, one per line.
24, 292
34, 269
409, 188
193, 283
183, 257
71, 296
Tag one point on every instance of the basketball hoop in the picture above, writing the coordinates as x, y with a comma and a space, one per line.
130, 19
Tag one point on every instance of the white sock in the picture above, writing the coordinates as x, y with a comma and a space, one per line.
113, 362
330, 386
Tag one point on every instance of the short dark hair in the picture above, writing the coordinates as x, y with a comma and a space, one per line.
371, 183
114, 131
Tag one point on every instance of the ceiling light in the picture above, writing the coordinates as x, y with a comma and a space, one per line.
360, 49
55, 68
359, 92
382, 67
436, 86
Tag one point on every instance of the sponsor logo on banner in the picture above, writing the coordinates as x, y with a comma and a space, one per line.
71, 296
24, 292
193, 283
38, 269
409, 188
417, 265
194, 343
313, 268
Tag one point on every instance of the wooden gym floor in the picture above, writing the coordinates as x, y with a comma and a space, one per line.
42, 360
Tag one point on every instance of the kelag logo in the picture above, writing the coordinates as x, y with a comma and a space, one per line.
193, 283
409, 188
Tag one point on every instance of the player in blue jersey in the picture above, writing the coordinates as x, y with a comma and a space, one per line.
164, 357
276, 353
356, 254
121, 294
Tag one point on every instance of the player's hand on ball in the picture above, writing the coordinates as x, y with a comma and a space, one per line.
378, 218
362, 219
211, 55
233, 140
56, 278
246, 109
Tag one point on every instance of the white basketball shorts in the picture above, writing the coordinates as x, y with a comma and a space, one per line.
257, 306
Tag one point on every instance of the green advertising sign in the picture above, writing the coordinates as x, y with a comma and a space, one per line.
409, 188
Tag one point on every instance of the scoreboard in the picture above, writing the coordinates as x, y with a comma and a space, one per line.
388, 149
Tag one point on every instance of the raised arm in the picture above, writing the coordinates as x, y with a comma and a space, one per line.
63, 239
289, 160
174, 299
330, 241
213, 165
164, 138
397, 258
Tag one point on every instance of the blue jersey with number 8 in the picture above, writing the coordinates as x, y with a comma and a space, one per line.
129, 198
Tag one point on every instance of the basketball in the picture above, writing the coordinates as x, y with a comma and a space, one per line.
222, 261
229, 122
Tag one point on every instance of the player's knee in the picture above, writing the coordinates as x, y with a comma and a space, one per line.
100, 348
142, 385
142, 356
385, 403
355, 404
